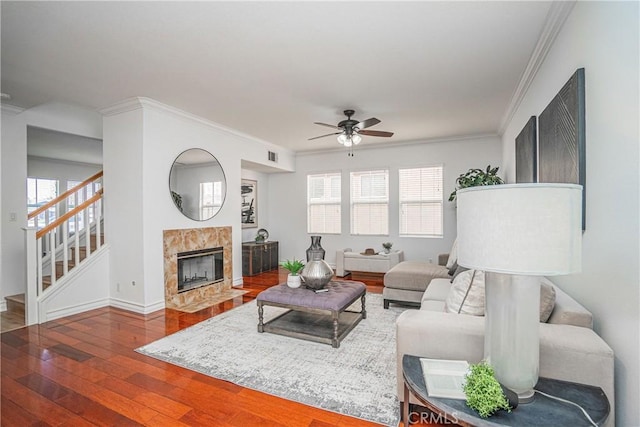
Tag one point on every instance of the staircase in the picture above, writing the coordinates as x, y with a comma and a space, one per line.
54, 252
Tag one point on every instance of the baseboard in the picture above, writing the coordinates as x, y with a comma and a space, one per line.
74, 309
135, 307
3, 305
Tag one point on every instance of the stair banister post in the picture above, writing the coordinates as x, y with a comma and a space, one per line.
31, 294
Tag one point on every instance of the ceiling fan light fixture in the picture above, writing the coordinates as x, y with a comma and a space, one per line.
343, 139
356, 139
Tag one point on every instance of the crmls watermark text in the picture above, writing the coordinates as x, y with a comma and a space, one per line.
431, 418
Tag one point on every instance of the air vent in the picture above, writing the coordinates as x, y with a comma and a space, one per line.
273, 156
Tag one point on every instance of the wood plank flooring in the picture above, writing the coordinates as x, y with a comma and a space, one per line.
82, 370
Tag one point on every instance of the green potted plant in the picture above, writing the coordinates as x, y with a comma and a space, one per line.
475, 177
484, 393
387, 247
294, 267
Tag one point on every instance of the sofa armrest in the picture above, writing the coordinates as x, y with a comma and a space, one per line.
567, 352
340, 272
438, 335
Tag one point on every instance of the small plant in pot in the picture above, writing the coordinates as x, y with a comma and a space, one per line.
387, 247
475, 177
294, 267
484, 393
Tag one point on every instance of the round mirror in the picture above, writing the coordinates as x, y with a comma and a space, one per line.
197, 184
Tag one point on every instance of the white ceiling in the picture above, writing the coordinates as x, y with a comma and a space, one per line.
428, 70
63, 146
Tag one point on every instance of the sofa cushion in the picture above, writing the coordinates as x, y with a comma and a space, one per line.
547, 300
466, 295
437, 291
413, 275
453, 255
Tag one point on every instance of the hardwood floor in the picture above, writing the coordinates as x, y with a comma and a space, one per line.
82, 370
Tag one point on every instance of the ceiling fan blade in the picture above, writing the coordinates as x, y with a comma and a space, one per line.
375, 133
322, 136
329, 126
367, 123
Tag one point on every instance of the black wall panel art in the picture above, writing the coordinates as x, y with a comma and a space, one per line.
561, 143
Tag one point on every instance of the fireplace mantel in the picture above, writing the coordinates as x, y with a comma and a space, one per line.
193, 239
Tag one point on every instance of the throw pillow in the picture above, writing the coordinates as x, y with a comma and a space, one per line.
547, 301
453, 255
466, 295
459, 269
453, 268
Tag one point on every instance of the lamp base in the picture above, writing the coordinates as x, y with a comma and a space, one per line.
512, 343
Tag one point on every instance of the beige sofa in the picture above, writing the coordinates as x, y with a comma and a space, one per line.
406, 282
569, 348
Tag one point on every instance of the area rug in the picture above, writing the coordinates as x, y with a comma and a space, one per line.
358, 379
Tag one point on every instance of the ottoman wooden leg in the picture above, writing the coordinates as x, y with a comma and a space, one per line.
260, 318
364, 308
334, 342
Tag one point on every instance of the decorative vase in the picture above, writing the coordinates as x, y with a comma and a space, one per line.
387, 250
315, 248
293, 281
317, 273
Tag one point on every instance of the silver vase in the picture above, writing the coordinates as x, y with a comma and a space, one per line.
317, 273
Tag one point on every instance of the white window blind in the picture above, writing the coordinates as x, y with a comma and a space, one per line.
421, 201
370, 202
323, 203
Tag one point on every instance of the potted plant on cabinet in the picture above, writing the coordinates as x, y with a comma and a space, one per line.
387, 247
294, 267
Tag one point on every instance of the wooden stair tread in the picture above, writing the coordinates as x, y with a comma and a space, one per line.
19, 298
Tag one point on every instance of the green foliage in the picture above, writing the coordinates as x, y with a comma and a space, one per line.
294, 266
475, 177
483, 391
387, 245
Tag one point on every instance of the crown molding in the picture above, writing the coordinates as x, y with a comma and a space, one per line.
136, 103
12, 109
556, 17
360, 147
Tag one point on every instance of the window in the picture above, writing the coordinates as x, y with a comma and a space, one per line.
39, 192
370, 202
210, 198
421, 201
323, 203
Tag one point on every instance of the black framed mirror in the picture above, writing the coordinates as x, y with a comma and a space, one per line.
197, 184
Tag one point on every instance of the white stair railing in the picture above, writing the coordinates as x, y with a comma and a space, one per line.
52, 248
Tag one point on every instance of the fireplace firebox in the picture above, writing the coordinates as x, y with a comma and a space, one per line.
200, 268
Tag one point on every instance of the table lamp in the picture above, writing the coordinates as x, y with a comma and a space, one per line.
515, 233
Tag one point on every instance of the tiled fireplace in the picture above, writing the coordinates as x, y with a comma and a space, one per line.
205, 264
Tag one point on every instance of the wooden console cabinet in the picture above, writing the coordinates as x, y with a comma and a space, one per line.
259, 257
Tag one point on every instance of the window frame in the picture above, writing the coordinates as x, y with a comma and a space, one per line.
356, 201
404, 201
325, 201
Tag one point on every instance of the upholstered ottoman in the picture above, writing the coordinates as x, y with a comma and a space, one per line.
406, 282
314, 316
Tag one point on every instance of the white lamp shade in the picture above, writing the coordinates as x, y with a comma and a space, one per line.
524, 229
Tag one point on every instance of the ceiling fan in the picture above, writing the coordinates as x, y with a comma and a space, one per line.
351, 129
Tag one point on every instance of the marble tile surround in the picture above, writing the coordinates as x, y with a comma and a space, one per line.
191, 239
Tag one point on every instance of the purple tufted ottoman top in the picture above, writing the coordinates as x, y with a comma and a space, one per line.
341, 293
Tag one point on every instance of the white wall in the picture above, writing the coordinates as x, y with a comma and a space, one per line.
602, 37
141, 140
55, 116
287, 194
262, 179
63, 171
14, 201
